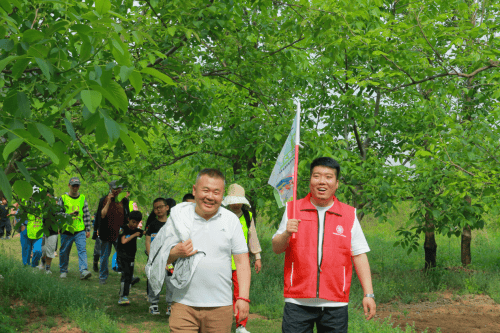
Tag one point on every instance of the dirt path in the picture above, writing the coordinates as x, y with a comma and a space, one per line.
450, 313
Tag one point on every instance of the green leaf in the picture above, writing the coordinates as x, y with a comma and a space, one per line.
125, 72
60, 25
23, 189
19, 67
6, 6
49, 153
6, 44
423, 153
102, 6
159, 75
69, 98
138, 141
46, 132
17, 103
44, 66
11, 146
121, 196
142, 201
119, 98
136, 81
31, 36
85, 50
112, 128
70, 129
60, 149
24, 171
5, 186
128, 144
6, 61
91, 99
101, 136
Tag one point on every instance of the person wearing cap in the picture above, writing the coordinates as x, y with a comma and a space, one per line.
111, 216
77, 231
319, 257
239, 205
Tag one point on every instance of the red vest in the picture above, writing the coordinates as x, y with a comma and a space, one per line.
331, 280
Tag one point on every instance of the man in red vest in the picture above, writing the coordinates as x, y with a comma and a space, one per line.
318, 262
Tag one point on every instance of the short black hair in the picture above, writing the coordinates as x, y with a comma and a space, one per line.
171, 203
326, 162
187, 196
135, 215
212, 173
161, 199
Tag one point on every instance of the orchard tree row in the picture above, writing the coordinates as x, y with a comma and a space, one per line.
403, 93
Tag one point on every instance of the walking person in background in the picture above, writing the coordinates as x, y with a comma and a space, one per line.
5, 226
317, 286
32, 232
49, 242
97, 246
77, 231
126, 250
188, 197
111, 216
239, 205
160, 208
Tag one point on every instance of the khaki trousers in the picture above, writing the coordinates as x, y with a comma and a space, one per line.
186, 318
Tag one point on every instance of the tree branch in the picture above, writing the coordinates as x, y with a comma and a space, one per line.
284, 47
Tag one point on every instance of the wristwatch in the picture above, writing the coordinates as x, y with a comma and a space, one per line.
370, 295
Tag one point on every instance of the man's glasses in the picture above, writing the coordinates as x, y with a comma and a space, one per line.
77, 185
160, 207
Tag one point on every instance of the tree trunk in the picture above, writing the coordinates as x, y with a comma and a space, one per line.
430, 245
465, 246
430, 249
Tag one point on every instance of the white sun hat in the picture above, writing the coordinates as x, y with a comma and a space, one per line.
235, 195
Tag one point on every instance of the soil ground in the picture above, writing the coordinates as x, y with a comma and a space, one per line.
448, 314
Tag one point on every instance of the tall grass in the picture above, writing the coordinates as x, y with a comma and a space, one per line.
58, 297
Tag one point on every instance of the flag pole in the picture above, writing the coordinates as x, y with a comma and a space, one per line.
296, 164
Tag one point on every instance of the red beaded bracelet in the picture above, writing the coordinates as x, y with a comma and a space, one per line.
243, 299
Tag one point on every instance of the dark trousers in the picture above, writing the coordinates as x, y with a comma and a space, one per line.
127, 266
5, 225
301, 319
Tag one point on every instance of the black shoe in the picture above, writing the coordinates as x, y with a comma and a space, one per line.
96, 266
134, 281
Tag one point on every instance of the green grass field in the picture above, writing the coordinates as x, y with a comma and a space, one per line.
92, 307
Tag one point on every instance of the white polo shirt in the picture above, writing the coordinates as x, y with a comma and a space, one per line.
219, 237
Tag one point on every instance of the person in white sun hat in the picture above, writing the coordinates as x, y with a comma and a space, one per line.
239, 205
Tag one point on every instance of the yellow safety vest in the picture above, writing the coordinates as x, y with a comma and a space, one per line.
72, 204
35, 227
245, 232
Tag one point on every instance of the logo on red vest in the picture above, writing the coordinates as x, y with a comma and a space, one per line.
340, 231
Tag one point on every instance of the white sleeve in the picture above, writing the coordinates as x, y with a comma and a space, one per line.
282, 227
359, 244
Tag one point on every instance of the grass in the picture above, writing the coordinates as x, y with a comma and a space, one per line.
397, 278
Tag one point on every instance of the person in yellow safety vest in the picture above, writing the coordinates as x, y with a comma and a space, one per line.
31, 233
239, 205
77, 231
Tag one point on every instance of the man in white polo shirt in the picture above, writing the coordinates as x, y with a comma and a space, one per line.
319, 258
205, 304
